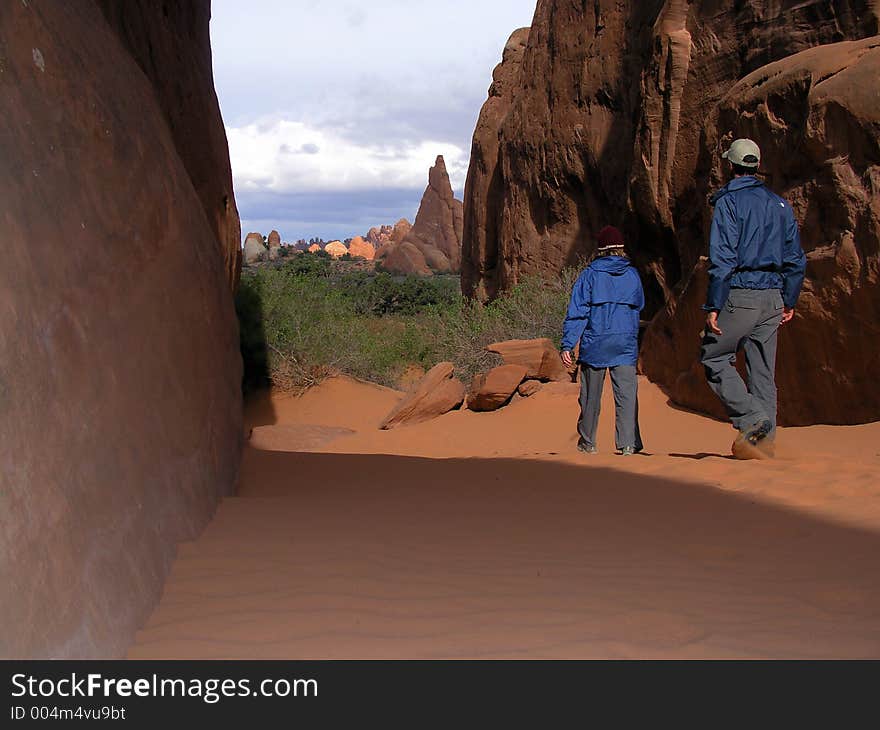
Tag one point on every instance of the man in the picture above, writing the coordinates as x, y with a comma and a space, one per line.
603, 315
755, 276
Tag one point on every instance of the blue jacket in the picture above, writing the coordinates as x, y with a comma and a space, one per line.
754, 243
604, 313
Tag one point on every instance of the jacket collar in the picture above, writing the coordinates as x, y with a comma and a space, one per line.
738, 183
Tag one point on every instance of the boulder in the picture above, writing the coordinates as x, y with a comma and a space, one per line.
314, 248
254, 249
405, 258
436, 394
336, 249
528, 388
492, 390
362, 248
439, 221
539, 356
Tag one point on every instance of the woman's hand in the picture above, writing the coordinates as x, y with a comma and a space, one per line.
566, 359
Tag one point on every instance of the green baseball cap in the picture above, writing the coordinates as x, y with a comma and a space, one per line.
744, 152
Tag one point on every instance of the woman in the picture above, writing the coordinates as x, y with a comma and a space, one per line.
603, 315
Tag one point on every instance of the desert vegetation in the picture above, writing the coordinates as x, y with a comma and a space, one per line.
311, 317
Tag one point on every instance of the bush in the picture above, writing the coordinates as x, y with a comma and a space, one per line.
312, 320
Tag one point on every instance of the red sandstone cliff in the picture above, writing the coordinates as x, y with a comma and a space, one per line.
171, 44
616, 113
120, 405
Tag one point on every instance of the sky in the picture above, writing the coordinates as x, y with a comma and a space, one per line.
335, 110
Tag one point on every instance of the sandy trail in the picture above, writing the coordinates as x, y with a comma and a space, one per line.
489, 535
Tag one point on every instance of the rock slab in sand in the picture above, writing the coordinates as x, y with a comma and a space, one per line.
539, 356
436, 394
120, 370
492, 390
295, 437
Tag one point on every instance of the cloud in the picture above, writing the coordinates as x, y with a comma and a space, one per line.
325, 99
340, 214
282, 156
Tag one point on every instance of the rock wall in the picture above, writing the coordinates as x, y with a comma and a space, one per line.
171, 44
615, 113
824, 103
120, 404
483, 193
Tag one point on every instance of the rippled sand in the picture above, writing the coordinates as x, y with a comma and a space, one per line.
490, 536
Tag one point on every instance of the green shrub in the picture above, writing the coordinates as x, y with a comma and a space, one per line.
305, 320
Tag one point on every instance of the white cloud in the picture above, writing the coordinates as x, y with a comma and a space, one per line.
283, 156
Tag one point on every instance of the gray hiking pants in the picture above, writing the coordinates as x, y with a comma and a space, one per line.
749, 321
626, 405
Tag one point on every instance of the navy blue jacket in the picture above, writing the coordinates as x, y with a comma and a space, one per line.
604, 313
754, 243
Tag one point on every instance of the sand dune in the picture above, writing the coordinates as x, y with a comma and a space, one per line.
490, 535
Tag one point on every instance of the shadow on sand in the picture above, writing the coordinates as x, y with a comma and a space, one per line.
366, 556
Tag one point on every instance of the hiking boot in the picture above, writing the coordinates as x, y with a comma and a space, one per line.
627, 451
751, 442
587, 449
757, 433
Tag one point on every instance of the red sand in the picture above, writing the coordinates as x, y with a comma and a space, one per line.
490, 535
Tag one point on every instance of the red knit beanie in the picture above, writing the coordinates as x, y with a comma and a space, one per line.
610, 237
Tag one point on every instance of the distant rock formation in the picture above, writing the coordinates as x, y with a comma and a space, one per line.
404, 258
362, 248
379, 235
314, 248
400, 230
436, 234
274, 243
616, 113
336, 249
254, 249
438, 225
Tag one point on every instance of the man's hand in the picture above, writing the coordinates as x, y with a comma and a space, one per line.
712, 323
787, 314
566, 359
